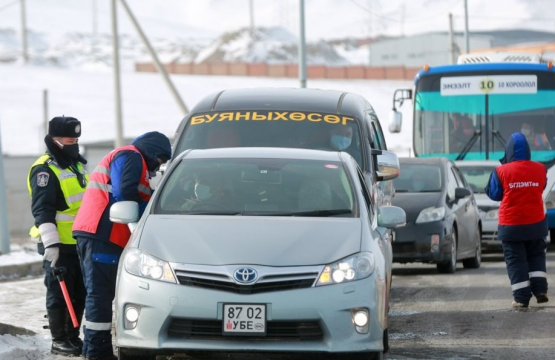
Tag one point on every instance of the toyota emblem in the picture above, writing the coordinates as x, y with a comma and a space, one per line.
245, 275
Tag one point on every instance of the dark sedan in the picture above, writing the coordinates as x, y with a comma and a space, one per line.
443, 220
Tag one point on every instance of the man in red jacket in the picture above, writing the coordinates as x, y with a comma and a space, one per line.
121, 175
518, 183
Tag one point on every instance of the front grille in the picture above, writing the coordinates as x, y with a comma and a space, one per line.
256, 288
401, 248
275, 330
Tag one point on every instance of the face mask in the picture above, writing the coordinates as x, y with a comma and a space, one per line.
526, 131
202, 192
340, 142
72, 150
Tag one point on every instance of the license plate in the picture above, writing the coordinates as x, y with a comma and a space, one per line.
244, 319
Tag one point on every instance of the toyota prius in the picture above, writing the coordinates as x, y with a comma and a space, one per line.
256, 249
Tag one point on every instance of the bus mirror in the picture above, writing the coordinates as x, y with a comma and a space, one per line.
395, 121
388, 166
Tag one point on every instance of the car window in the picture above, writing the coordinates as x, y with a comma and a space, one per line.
477, 176
451, 183
273, 129
257, 187
365, 192
418, 178
377, 134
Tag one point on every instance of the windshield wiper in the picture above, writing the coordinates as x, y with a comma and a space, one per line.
315, 213
468, 145
215, 212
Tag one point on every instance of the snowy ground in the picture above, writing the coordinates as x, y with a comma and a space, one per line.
147, 102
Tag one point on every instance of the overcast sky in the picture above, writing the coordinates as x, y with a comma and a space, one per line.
324, 19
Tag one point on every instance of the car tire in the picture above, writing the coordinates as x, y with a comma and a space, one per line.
124, 354
450, 266
386, 340
476, 261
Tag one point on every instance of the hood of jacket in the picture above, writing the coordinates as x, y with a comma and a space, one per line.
516, 149
153, 145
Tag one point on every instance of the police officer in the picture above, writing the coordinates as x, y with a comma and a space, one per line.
518, 183
121, 175
57, 182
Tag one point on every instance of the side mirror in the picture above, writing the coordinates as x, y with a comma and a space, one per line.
395, 121
124, 212
462, 193
388, 166
391, 217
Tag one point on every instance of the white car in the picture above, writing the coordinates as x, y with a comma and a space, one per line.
288, 252
477, 173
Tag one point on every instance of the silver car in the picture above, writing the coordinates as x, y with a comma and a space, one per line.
256, 249
477, 173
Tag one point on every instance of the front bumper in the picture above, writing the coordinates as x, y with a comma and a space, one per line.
165, 307
413, 243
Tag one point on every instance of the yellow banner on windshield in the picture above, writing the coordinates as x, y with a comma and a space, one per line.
269, 116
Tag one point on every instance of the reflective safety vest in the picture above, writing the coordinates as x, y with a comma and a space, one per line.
523, 183
73, 196
99, 197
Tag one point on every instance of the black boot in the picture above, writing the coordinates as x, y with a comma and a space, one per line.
73, 332
60, 341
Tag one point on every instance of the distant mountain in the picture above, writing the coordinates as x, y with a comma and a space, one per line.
272, 45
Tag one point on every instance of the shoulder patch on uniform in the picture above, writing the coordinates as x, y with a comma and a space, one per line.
42, 179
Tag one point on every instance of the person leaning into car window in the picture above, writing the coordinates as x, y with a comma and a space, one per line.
518, 183
122, 175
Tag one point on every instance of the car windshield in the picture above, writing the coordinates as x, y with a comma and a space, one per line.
257, 186
477, 176
418, 178
297, 129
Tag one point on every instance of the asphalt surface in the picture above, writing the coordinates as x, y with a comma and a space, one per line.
466, 315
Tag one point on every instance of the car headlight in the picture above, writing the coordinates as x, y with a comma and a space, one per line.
355, 267
492, 214
140, 263
431, 214
550, 199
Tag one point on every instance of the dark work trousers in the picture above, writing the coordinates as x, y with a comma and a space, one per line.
526, 267
99, 262
73, 279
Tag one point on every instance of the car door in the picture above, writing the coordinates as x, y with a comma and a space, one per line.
472, 214
463, 208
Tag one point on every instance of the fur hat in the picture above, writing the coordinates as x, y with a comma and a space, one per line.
64, 126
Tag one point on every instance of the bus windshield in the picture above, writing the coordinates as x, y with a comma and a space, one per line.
452, 119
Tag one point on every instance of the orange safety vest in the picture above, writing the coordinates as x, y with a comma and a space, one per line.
97, 198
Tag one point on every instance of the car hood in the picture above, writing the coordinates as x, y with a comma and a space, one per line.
271, 241
483, 201
414, 203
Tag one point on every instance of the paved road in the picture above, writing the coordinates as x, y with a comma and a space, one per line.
466, 315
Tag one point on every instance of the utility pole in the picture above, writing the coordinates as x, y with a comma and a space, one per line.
302, 46
4, 225
251, 12
157, 62
117, 83
45, 110
452, 45
95, 18
466, 39
24, 32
